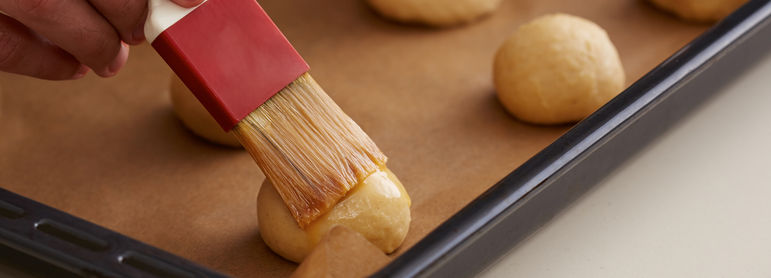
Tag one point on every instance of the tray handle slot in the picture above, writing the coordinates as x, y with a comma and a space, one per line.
152, 265
10, 211
71, 235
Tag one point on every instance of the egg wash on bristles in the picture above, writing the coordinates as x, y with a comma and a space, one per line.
311, 151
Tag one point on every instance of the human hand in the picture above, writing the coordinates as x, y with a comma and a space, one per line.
64, 39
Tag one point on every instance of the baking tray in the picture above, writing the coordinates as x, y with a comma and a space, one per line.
523, 201
40, 241
430, 255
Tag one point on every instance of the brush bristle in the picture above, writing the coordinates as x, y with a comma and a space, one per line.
311, 151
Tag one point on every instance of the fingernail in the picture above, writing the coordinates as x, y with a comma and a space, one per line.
119, 60
82, 71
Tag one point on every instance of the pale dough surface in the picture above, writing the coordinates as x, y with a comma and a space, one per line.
699, 10
378, 208
195, 117
434, 12
557, 69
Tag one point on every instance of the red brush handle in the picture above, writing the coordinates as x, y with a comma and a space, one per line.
231, 56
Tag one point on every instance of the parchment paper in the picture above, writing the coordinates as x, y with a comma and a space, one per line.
112, 152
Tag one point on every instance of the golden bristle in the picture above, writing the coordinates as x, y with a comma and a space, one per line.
311, 151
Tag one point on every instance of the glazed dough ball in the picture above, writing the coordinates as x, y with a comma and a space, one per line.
699, 10
378, 208
434, 12
557, 69
195, 117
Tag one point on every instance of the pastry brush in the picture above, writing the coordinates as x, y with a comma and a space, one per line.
253, 82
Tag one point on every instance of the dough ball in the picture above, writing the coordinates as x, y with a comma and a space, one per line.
434, 12
195, 117
699, 10
557, 69
378, 208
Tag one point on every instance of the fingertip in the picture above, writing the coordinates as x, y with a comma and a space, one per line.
117, 62
82, 71
138, 36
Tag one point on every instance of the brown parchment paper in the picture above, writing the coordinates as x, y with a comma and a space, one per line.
112, 152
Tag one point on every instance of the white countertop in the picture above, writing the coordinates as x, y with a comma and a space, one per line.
694, 203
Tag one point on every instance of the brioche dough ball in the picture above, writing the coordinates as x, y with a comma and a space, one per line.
195, 117
557, 69
699, 10
378, 208
434, 12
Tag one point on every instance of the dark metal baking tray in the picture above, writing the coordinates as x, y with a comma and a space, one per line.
535, 192
39, 241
